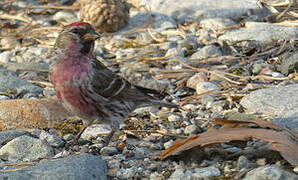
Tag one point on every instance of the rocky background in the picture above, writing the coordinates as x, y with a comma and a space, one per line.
235, 60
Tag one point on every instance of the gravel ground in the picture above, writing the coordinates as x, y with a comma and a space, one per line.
213, 59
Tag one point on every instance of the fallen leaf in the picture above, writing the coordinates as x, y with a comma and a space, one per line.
284, 141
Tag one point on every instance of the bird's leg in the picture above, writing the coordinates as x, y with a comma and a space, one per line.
76, 140
86, 124
115, 127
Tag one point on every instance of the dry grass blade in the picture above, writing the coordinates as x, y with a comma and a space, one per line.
14, 17
56, 7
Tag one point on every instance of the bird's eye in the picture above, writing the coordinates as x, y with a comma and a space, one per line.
75, 30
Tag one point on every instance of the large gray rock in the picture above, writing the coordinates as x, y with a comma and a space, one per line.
270, 173
25, 148
258, 33
6, 136
77, 167
196, 10
281, 102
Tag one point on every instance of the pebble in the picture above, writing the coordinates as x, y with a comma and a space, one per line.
203, 87
67, 17
190, 129
288, 62
174, 118
195, 79
216, 23
243, 163
108, 150
168, 144
5, 56
196, 173
53, 140
190, 107
4, 97
92, 132
206, 52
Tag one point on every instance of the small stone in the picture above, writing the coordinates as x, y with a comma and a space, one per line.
61, 154
189, 107
195, 79
97, 146
203, 87
261, 162
156, 176
139, 152
65, 16
146, 110
168, 144
243, 163
216, 23
127, 173
68, 137
173, 118
6, 56
206, 172
92, 132
191, 129
164, 114
218, 106
167, 45
30, 96
108, 150
277, 75
53, 140
207, 99
4, 97
48, 92
289, 63
295, 169
206, 52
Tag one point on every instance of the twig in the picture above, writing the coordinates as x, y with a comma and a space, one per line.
15, 17
154, 37
55, 7
286, 10
154, 58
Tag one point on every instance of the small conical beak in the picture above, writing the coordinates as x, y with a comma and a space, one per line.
92, 36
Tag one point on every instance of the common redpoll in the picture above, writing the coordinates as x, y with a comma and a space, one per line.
89, 90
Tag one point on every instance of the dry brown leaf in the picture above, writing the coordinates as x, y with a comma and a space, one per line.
281, 141
259, 122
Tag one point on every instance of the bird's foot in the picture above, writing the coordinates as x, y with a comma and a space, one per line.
108, 138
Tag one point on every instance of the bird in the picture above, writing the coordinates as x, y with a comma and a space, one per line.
87, 88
